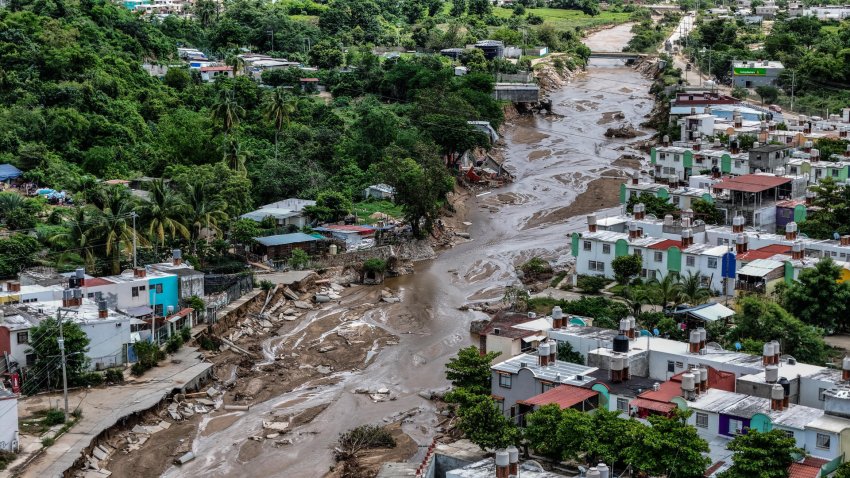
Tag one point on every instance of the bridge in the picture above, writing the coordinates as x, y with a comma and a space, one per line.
517, 92
617, 55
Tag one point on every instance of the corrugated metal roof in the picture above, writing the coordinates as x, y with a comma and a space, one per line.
760, 267
565, 396
283, 239
751, 183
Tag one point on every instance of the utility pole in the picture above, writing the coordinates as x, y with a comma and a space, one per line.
793, 80
133, 215
64, 365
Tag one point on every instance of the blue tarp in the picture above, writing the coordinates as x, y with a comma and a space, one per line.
7, 172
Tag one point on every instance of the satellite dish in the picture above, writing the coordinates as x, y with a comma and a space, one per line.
737, 346
656, 332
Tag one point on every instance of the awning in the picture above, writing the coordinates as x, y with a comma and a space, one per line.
652, 405
135, 321
139, 311
533, 338
713, 312
179, 315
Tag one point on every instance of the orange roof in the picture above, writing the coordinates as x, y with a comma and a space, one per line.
665, 244
665, 392
565, 396
801, 470
183, 313
711, 469
765, 252
216, 68
97, 281
812, 461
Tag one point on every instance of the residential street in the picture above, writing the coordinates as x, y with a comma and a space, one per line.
103, 407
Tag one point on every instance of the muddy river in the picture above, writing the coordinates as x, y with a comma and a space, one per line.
565, 168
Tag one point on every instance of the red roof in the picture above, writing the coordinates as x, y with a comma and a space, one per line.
216, 68
653, 405
665, 244
801, 470
565, 396
751, 183
812, 461
711, 469
358, 229
665, 392
183, 313
765, 252
96, 282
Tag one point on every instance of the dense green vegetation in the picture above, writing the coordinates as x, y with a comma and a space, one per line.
832, 215
814, 53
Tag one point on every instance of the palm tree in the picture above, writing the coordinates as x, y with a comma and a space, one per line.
635, 298
691, 289
666, 290
227, 111
204, 210
164, 212
236, 62
280, 106
80, 237
10, 203
235, 156
115, 226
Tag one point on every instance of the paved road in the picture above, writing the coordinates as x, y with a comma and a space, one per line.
104, 407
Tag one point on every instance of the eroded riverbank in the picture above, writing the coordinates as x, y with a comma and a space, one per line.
564, 167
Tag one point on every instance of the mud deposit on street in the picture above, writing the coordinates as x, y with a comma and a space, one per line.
564, 167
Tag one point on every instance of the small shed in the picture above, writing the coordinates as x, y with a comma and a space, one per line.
309, 85
282, 245
379, 191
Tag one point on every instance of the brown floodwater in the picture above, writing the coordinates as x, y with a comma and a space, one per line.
563, 166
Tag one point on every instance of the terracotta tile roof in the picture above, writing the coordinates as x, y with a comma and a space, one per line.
96, 282
751, 183
665, 244
813, 461
800, 470
765, 252
216, 68
565, 396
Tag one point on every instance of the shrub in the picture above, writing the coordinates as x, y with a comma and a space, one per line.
6, 457
186, 334
173, 344
536, 267
376, 266
148, 353
90, 379
114, 375
362, 438
299, 259
266, 285
47, 441
591, 284
208, 343
138, 369
54, 417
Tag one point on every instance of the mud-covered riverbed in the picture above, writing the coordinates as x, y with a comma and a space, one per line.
564, 168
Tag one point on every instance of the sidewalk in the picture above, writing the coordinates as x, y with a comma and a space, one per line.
104, 407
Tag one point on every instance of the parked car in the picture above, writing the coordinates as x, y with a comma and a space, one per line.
776, 108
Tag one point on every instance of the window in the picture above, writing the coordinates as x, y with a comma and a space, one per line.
651, 274
690, 261
680, 365
587, 246
712, 263
736, 427
598, 266
135, 292
547, 386
606, 248
638, 253
623, 405
821, 394
675, 200
504, 380
702, 420
643, 273
157, 310
835, 173
788, 433
23, 337
823, 441
90, 295
30, 360
141, 287
659, 256
671, 366
675, 158
159, 288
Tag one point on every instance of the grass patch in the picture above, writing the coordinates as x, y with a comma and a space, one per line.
365, 209
569, 19
6, 457
557, 279
305, 18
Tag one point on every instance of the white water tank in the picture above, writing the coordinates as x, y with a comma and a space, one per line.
543, 350
618, 363
688, 382
557, 313
703, 374
777, 392
603, 470
502, 458
771, 374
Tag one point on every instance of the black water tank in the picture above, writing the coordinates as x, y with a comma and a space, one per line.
786, 385
621, 343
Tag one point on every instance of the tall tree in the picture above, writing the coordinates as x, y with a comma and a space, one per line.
763, 320
420, 189
227, 112
280, 107
44, 343
761, 455
691, 289
818, 298
79, 236
115, 227
672, 433
164, 212
470, 370
481, 420
205, 211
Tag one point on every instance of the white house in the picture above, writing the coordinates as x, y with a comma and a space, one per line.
8, 420
286, 212
379, 191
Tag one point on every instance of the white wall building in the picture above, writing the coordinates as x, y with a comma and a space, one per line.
9, 440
